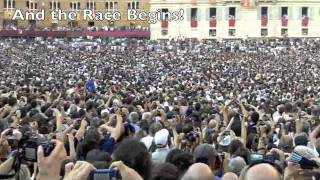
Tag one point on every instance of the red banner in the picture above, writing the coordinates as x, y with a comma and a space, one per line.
213, 23
232, 22
212, 1
264, 22
118, 33
164, 24
194, 23
193, 1
284, 21
305, 22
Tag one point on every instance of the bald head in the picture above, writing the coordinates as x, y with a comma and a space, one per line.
230, 176
262, 172
198, 171
212, 123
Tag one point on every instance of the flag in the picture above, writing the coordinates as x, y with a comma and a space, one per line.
164, 24
91, 86
264, 21
194, 23
232, 22
213, 22
305, 21
284, 21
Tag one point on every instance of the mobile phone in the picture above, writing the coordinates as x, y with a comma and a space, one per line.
105, 174
256, 157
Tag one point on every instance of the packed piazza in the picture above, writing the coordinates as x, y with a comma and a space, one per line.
132, 108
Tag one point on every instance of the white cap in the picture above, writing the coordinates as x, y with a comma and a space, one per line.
161, 137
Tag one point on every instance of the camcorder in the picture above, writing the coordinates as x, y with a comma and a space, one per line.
105, 174
255, 157
29, 146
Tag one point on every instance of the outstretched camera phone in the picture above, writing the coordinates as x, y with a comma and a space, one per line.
105, 174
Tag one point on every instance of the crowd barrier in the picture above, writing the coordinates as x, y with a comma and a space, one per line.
63, 34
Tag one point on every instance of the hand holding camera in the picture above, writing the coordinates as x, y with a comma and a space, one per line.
50, 164
125, 171
81, 170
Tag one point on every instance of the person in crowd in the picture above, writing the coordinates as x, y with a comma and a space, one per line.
177, 109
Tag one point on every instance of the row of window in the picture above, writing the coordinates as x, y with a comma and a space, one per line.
232, 32
54, 5
264, 12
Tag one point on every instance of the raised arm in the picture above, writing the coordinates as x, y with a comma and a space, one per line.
243, 123
80, 133
314, 134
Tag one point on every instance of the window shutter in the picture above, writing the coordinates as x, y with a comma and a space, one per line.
199, 15
207, 14
188, 10
219, 14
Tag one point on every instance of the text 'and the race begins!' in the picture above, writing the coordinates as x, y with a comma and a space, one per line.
90, 15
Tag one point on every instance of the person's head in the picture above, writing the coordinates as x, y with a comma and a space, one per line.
244, 153
301, 139
147, 116
302, 158
236, 164
154, 127
134, 117
230, 176
161, 138
164, 171
286, 144
135, 155
261, 171
205, 153
12, 101
234, 146
198, 171
254, 117
99, 159
305, 127
212, 123
181, 159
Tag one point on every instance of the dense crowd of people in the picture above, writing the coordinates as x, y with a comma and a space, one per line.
138, 109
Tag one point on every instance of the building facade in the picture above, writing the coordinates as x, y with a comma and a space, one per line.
8, 7
214, 19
